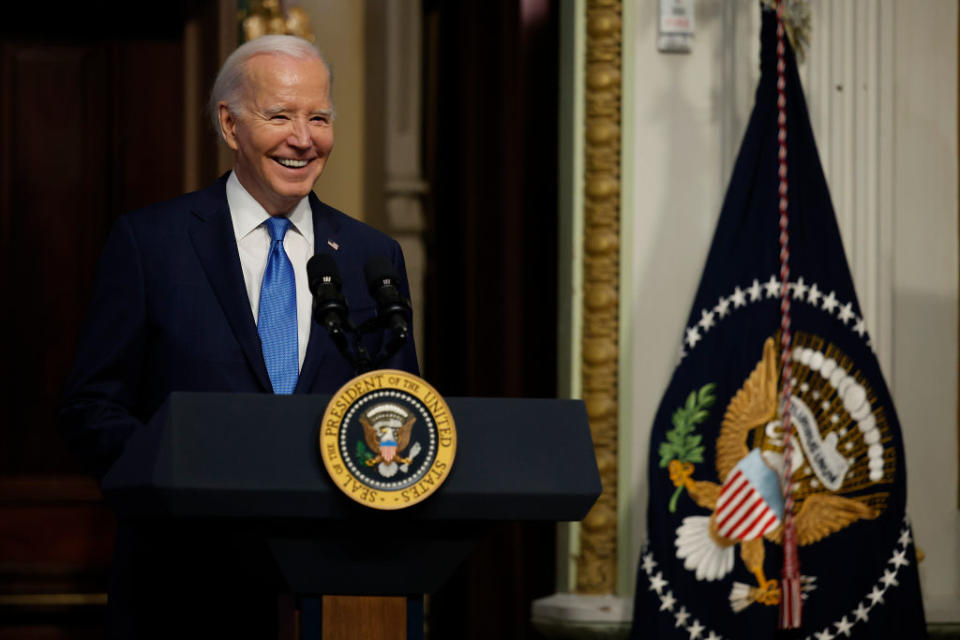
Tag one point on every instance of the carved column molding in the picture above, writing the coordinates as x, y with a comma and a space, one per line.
597, 562
395, 183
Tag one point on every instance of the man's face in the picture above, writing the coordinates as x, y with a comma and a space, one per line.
282, 133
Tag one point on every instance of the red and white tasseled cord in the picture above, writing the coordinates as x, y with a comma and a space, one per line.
790, 602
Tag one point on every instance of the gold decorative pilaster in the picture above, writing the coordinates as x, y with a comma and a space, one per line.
597, 562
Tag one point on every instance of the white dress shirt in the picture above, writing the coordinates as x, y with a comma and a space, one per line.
253, 244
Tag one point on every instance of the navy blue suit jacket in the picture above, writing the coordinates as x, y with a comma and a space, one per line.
170, 312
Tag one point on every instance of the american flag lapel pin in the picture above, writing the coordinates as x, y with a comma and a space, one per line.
333, 245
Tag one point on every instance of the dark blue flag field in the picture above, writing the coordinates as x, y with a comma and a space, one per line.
712, 564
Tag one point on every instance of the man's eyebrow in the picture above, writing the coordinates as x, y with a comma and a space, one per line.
272, 111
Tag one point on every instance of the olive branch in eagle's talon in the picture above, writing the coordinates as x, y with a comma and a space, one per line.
683, 447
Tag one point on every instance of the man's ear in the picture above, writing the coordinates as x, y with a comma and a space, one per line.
228, 125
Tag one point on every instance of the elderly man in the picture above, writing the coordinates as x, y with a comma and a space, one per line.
208, 292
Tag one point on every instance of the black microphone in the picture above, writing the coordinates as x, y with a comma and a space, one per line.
329, 305
392, 309
330, 308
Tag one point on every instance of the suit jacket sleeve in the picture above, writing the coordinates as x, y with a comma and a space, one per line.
97, 413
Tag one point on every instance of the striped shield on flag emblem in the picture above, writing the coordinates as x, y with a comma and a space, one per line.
750, 503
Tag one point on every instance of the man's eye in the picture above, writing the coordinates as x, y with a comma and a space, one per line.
323, 119
278, 116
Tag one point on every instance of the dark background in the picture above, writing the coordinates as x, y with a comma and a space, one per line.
491, 307
92, 125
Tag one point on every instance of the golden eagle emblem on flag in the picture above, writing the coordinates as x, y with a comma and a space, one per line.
830, 469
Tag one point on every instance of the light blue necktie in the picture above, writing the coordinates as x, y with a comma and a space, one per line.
277, 322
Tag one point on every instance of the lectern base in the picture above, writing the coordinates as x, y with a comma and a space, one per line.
367, 617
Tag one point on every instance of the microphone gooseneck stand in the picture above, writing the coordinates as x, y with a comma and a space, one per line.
330, 310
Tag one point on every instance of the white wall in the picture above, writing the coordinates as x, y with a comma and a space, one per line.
684, 115
925, 322
881, 82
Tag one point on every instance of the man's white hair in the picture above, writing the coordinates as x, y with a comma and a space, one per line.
231, 82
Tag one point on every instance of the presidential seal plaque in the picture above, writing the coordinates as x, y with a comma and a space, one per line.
388, 439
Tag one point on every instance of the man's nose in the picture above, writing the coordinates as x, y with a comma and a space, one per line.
299, 134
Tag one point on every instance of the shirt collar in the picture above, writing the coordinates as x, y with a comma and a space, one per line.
247, 214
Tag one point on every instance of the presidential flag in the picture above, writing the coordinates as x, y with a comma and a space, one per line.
711, 567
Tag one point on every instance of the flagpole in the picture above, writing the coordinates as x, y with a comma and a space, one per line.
790, 604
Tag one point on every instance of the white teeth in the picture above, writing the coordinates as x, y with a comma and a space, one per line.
296, 164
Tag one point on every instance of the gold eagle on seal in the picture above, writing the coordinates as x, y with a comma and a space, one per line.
387, 438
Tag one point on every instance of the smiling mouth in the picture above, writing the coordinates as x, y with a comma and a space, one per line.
291, 163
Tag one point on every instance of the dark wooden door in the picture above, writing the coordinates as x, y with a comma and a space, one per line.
92, 124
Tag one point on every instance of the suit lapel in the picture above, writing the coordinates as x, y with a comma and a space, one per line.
211, 233
325, 229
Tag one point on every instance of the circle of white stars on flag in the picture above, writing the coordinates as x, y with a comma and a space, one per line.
801, 291
682, 617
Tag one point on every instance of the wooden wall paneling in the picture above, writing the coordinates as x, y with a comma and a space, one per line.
92, 135
53, 215
56, 540
6, 168
150, 92
92, 124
